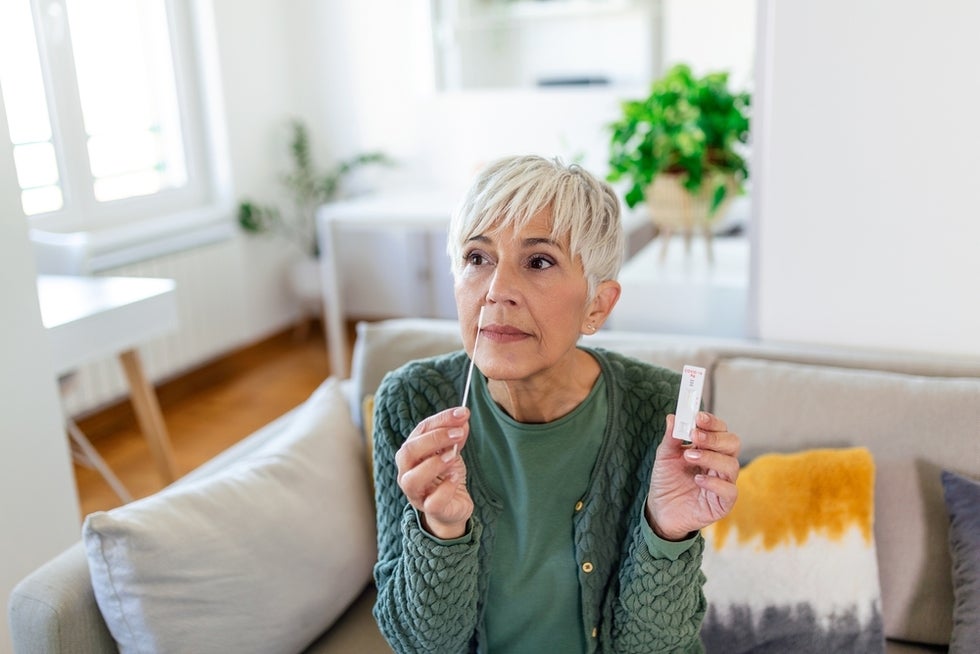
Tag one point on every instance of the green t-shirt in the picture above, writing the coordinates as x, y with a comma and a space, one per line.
539, 472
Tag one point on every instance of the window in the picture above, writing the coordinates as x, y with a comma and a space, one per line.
105, 109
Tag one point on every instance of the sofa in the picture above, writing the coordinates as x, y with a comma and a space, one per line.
269, 547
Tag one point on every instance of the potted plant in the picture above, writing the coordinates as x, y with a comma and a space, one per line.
679, 149
307, 188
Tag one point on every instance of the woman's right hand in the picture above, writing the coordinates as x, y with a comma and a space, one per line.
432, 474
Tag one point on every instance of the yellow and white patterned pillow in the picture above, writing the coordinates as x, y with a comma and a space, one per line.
793, 567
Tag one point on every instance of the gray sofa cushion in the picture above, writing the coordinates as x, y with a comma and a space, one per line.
781, 406
54, 609
386, 345
963, 504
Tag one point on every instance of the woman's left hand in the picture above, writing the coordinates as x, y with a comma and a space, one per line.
693, 485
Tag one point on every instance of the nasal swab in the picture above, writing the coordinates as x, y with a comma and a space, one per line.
469, 375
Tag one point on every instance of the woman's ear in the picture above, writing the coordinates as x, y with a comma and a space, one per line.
606, 296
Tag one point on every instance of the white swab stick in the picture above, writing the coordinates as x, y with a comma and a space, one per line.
476, 342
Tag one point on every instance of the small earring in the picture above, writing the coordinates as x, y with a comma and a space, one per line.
591, 327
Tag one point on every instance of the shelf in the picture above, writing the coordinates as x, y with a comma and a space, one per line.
529, 44
503, 14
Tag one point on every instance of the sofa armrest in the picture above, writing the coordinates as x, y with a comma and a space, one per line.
53, 610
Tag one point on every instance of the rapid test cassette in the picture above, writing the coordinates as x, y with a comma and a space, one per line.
688, 402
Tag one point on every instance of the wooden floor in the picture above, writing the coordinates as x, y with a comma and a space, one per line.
206, 411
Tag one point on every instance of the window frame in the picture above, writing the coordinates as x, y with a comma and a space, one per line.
171, 214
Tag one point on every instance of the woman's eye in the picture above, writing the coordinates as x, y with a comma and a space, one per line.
474, 258
540, 263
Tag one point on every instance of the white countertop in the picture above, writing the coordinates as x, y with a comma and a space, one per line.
684, 293
88, 318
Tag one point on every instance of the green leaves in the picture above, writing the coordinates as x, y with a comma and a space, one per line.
307, 188
255, 218
686, 125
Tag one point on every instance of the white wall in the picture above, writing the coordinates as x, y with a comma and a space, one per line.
712, 35
262, 87
38, 502
866, 171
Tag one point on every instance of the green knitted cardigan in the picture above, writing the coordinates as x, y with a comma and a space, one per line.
431, 595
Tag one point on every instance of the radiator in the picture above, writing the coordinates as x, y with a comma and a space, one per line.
210, 310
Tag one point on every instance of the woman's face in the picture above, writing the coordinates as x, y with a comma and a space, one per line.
535, 297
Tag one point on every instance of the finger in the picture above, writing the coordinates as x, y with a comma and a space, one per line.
717, 441
726, 491
454, 417
721, 465
674, 447
709, 422
670, 445
441, 493
421, 480
429, 444
669, 426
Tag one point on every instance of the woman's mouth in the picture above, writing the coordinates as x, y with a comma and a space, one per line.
502, 333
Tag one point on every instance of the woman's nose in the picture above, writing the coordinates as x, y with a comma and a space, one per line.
503, 287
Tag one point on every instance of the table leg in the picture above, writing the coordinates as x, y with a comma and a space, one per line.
149, 415
335, 323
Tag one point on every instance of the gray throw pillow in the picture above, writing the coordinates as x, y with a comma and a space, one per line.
963, 505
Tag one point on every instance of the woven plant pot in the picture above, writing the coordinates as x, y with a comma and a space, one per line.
674, 209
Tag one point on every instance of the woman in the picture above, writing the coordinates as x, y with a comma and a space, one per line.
551, 514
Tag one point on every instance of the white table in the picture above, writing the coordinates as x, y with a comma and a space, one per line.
684, 293
90, 318
424, 212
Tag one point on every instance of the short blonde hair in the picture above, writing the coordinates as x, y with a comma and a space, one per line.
510, 191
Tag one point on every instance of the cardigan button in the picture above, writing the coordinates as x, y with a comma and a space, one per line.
595, 632
578, 506
587, 567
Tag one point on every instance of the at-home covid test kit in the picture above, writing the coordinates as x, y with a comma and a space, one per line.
688, 402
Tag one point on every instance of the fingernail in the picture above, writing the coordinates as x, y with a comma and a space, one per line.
450, 455
459, 412
456, 432
702, 416
692, 454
